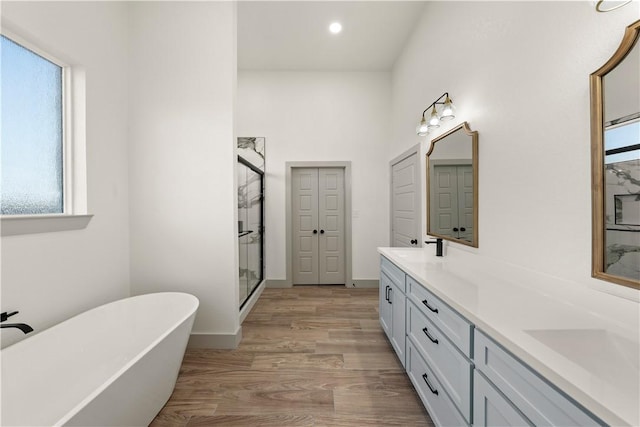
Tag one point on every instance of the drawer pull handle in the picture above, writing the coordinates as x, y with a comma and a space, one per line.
435, 310
386, 293
426, 380
426, 332
390, 293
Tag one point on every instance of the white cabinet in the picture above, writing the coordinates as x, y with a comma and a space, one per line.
392, 302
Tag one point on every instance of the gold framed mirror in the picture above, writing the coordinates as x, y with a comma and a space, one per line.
615, 164
452, 186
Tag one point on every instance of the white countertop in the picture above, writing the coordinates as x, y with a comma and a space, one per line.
584, 342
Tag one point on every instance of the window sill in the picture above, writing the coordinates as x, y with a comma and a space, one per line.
32, 224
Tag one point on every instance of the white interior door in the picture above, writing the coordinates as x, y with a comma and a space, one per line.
318, 226
405, 224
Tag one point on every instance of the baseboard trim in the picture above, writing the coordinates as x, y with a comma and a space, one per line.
217, 341
278, 283
364, 283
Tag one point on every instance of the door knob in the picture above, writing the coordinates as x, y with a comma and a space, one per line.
455, 228
315, 231
414, 242
321, 231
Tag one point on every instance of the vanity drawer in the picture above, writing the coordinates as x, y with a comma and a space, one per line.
440, 407
451, 367
540, 402
394, 273
452, 324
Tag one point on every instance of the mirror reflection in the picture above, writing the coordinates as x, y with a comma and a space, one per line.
621, 117
452, 186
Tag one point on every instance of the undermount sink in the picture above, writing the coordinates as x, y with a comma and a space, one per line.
606, 355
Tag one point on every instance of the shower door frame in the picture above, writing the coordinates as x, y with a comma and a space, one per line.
261, 230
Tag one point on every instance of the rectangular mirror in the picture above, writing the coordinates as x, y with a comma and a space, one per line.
452, 186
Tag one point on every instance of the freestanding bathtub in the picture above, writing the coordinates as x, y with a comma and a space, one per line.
114, 365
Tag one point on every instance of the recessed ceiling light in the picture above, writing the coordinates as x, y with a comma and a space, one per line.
335, 27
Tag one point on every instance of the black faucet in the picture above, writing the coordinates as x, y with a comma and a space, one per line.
438, 243
22, 326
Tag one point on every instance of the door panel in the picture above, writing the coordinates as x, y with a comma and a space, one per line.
405, 225
331, 221
465, 201
446, 196
305, 220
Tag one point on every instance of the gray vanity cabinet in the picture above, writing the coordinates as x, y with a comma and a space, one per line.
536, 400
463, 377
392, 306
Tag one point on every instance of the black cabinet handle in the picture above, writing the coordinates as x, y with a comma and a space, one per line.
321, 231
426, 332
426, 380
455, 228
414, 242
386, 293
390, 292
463, 229
435, 310
315, 231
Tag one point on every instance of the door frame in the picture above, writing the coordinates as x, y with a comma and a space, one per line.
418, 182
346, 166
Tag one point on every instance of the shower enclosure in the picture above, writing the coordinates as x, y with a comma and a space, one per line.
250, 171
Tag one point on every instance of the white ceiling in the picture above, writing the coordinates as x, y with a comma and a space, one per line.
294, 35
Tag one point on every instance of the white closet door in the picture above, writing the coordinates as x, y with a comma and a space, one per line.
405, 200
305, 221
331, 224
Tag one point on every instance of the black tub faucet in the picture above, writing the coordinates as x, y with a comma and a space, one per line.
438, 243
22, 326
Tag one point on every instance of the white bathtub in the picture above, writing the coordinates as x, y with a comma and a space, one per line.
114, 365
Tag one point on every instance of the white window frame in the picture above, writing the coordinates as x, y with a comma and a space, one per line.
74, 186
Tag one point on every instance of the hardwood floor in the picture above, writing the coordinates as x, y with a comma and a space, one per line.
310, 356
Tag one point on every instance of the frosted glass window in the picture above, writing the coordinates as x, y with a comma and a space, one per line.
31, 132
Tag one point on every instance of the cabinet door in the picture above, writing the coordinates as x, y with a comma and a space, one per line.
385, 306
491, 408
398, 327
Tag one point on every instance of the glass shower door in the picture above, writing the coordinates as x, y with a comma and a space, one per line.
250, 228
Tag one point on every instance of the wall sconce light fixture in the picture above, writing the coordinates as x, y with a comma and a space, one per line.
447, 112
609, 5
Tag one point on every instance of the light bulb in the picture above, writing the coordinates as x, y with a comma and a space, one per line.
448, 110
434, 120
422, 128
335, 27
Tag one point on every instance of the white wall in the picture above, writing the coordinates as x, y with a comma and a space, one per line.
52, 276
519, 74
322, 116
182, 156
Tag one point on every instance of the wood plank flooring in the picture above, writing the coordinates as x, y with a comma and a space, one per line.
309, 356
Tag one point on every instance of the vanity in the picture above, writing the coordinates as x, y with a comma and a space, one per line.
490, 344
